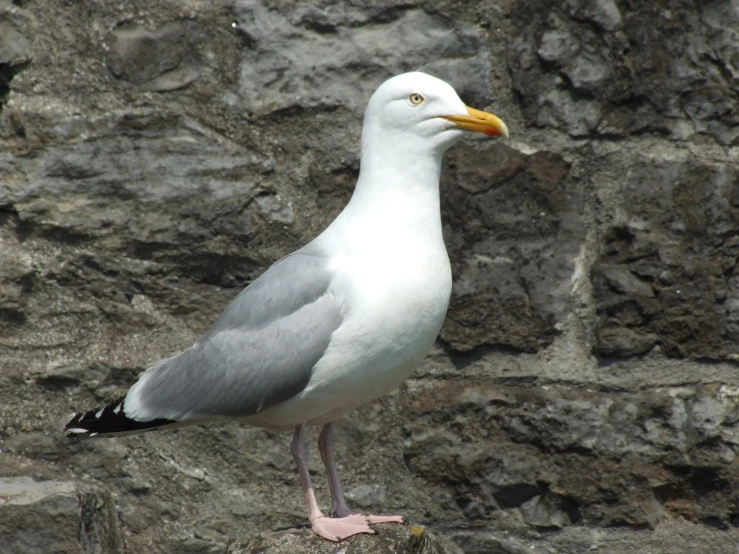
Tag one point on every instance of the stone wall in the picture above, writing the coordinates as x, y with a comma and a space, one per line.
156, 156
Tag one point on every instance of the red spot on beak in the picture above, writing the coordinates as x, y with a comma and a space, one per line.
490, 132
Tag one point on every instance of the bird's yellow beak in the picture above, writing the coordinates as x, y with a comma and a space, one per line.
479, 121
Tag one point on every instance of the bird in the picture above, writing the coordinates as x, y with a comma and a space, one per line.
336, 324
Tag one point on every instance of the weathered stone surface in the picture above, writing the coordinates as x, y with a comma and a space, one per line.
155, 157
16, 281
56, 516
515, 221
390, 539
159, 60
639, 458
676, 535
14, 50
330, 55
666, 272
600, 67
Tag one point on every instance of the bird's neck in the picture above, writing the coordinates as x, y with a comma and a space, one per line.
399, 186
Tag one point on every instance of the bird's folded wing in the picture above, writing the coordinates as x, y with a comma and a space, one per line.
260, 352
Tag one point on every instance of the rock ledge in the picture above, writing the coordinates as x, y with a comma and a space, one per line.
390, 539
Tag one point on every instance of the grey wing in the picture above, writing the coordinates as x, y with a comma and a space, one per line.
260, 352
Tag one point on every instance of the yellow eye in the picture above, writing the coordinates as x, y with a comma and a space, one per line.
415, 99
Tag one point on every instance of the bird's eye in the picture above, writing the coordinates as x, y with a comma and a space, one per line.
415, 99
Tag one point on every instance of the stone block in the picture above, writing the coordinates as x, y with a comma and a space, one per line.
56, 517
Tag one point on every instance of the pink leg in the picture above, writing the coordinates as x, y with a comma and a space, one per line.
339, 509
328, 528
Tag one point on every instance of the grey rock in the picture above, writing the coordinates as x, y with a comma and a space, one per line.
629, 72
56, 378
543, 511
622, 280
672, 535
675, 535
664, 276
14, 45
500, 296
493, 461
390, 539
15, 51
330, 55
557, 45
159, 60
367, 495
603, 12
16, 282
583, 394
103, 196
56, 516
490, 543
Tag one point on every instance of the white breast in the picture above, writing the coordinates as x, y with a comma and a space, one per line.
395, 302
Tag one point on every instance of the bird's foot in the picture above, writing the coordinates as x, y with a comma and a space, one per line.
370, 519
338, 529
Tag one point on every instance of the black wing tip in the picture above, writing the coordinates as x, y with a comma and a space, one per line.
110, 420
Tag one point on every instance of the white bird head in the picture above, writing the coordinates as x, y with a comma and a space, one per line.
426, 111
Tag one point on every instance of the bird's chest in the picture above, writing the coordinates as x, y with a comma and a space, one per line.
406, 285
398, 306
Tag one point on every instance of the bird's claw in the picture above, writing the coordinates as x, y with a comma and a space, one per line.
338, 529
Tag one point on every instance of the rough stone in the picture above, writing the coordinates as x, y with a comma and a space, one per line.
14, 50
590, 67
155, 157
158, 60
390, 539
665, 275
492, 454
515, 221
16, 281
301, 57
56, 516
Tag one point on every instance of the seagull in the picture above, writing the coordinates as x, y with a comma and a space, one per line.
336, 324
